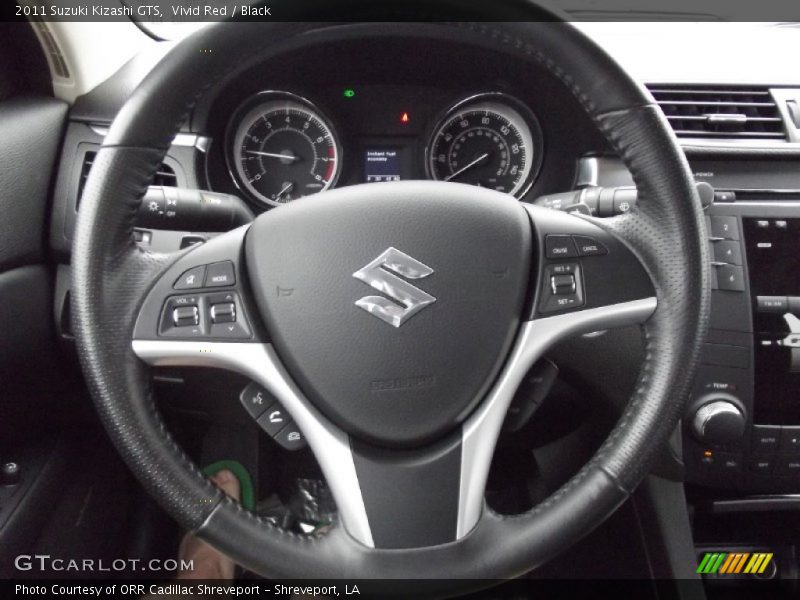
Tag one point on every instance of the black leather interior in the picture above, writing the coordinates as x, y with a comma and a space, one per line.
31, 130
111, 275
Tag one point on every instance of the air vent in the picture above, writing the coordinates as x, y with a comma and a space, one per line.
54, 55
720, 112
165, 176
88, 161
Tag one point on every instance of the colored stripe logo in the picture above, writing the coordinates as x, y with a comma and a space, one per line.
734, 563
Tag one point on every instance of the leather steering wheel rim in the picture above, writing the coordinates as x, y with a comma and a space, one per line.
111, 275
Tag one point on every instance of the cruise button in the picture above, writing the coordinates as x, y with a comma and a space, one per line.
560, 246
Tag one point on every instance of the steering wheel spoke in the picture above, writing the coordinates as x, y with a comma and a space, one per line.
202, 297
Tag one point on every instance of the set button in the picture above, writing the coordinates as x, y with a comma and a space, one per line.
563, 288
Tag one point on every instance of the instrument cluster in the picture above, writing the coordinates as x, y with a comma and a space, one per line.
281, 145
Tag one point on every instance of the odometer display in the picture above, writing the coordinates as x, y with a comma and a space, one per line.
486, 142
283, 149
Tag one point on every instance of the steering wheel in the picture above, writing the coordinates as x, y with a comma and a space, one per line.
393, 322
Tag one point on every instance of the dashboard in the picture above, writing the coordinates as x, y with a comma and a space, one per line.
398, 106
385, 113
280, 146
323, 114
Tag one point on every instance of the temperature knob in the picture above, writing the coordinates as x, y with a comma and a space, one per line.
719, 420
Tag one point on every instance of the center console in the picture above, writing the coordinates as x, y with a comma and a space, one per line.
741, 428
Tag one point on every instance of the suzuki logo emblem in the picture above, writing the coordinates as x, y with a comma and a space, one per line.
406, 299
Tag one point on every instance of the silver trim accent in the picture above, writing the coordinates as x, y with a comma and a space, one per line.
406, 299
236, 125
331, 445
712, 409
760, 204
781, 96
232, 314
737, 144
588, 172
512, 109
260, 363
482, 429
189, 140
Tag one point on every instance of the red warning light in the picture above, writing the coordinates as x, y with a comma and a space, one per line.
404, 118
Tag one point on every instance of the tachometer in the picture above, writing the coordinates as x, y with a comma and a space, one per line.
282, 148
490, 140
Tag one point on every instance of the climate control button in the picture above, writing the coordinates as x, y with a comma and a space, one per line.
718, 420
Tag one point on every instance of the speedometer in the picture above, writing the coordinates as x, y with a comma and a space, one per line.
281, 148
489, 140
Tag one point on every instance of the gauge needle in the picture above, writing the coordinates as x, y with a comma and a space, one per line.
287, 188
474, 163
291, 157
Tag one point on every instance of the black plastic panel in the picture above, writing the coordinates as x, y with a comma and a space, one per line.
411, 497
393, 384
155, 317
613, 277
734, 360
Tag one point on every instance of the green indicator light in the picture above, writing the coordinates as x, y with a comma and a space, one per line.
349, 93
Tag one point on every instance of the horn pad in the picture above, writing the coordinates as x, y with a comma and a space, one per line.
393, 305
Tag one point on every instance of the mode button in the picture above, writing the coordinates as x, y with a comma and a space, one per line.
220, 274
